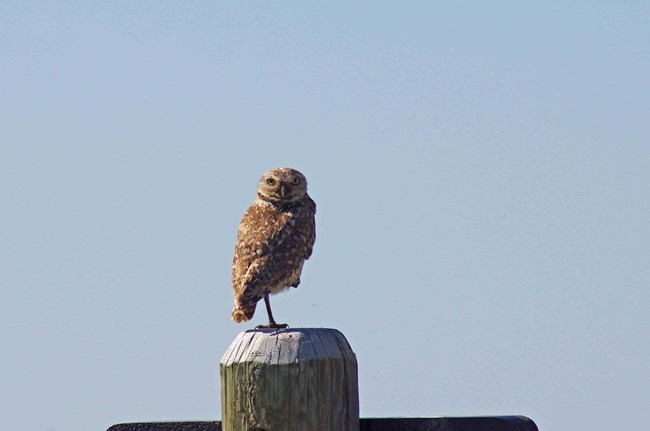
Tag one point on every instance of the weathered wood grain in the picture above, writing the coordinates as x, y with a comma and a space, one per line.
300, 379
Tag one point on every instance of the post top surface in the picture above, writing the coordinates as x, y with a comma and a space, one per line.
288, 345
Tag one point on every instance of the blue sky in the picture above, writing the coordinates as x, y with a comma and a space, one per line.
481, 174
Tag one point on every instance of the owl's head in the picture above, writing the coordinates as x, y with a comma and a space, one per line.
282, 185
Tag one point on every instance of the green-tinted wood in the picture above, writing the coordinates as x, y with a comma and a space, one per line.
302, 379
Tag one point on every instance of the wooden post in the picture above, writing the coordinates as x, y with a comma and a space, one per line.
288, 380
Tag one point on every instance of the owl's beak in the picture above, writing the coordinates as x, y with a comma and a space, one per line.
283, 190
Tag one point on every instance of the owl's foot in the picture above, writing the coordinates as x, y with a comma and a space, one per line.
273, 325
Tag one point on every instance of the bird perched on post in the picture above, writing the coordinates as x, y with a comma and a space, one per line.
275, 238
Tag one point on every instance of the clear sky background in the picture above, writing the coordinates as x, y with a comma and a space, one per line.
482, 175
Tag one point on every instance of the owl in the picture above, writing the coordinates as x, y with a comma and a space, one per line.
275, 238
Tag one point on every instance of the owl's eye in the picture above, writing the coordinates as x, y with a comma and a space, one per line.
295, 181
270, 181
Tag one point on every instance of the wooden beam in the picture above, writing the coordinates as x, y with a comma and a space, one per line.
488, 423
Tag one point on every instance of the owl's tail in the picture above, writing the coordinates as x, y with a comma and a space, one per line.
243, 312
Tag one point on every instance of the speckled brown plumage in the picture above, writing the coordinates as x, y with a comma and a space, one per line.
275, 237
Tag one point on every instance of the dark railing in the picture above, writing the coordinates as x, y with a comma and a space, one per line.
486, 423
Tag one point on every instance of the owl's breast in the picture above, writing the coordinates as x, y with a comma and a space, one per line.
272, 245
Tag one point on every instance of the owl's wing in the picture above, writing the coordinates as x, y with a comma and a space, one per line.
308, 227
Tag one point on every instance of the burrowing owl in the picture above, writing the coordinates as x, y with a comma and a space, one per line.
275, 237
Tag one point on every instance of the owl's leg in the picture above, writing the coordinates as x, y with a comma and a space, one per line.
272, 323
